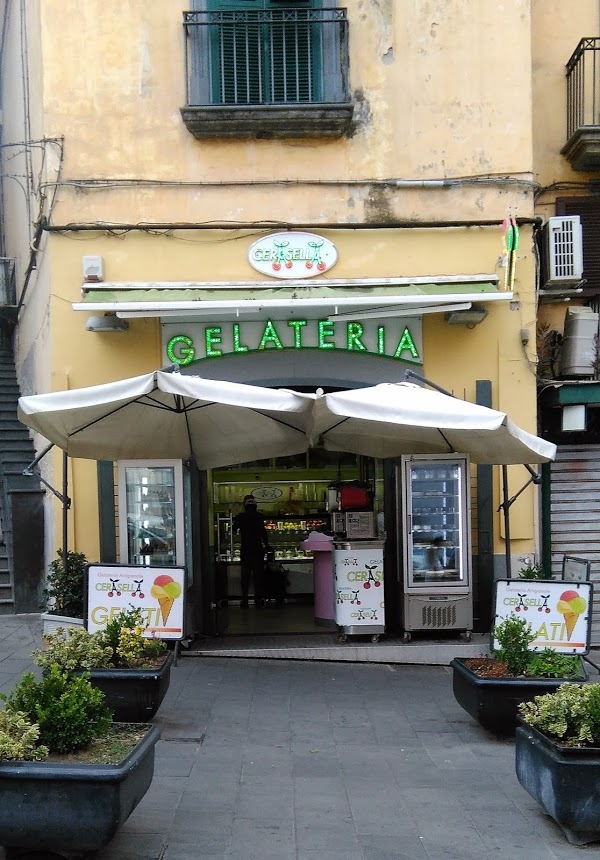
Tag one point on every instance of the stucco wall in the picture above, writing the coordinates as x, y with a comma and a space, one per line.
435, 98
441, 92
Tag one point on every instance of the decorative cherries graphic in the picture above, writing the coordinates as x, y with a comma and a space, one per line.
371, 579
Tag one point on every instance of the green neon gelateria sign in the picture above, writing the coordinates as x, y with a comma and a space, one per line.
393, 338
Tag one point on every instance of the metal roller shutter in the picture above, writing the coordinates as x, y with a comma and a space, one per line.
575, 514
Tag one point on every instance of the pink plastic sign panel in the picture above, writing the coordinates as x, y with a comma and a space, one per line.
359, 587
158, 591
559, 612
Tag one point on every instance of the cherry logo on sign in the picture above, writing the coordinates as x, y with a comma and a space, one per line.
292, 254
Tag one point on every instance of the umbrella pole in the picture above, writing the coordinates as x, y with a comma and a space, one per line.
65, 510
534, 479
506, 509
62, 497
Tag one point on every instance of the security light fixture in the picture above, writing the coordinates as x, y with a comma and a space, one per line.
107, 322
471, 317
93, 268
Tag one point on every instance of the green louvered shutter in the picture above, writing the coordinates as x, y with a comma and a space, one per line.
293, 73
260, 62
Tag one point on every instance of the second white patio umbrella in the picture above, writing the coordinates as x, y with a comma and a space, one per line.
391, 419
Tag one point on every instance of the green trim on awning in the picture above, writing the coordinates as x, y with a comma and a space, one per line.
282, 293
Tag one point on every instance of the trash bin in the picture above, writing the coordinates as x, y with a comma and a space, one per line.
321, 546
359, 604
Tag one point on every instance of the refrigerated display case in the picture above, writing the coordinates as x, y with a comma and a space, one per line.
436, 543
151, 512
286, 534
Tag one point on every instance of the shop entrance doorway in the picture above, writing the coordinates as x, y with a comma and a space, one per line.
292, 495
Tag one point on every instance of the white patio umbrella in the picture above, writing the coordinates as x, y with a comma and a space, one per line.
391, 419
162, 415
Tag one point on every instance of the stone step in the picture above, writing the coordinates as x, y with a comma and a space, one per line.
16, 456
16, 435
9, 423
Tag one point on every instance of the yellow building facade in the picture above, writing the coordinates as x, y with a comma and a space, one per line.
416, 140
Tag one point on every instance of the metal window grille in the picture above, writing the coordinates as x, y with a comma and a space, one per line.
267, 56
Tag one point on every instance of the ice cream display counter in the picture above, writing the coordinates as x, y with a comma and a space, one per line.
286, 534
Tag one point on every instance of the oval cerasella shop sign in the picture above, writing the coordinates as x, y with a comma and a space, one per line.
292, 255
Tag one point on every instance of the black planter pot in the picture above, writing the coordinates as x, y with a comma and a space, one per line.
494, 702
72, 808
565, 781
134, 695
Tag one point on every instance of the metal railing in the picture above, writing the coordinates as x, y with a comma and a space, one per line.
583, 86
266, 57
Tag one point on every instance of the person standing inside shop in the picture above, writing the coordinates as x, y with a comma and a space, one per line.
250, 523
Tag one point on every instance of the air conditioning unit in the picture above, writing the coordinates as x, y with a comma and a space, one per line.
562, 252
579, 344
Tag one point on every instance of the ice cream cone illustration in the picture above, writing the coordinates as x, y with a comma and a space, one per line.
165, 590
571, 605
166, 604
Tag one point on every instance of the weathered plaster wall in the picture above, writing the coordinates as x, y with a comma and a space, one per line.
436, 98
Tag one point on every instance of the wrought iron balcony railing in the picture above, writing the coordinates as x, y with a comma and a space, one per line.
240, 63
583, 106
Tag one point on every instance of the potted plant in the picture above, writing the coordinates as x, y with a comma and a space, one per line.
532, 571
557, 750
490, 688
69, 776
132, 670
64, 592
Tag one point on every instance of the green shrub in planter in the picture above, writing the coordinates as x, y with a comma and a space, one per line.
557, 757
64, 588
533, 571
514, 635
19, 738
73, 649
70, 713
570, 716
124, 634
121, 645
548, 664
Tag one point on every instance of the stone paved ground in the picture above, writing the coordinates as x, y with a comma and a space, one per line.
282, 760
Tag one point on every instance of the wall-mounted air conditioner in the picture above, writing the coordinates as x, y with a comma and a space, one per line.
579, 344
562, 252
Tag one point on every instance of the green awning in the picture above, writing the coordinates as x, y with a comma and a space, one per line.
153, 295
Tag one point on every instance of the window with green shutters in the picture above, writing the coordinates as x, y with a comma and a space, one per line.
266, 52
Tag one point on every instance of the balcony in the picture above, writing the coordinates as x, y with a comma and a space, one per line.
582, 149
279, 73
